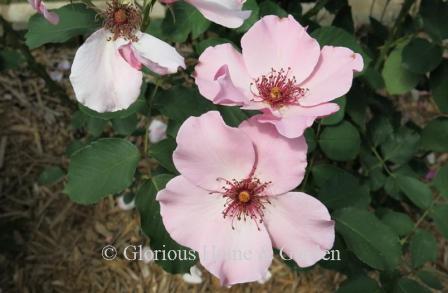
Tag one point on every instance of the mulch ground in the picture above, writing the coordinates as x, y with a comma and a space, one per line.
50, 244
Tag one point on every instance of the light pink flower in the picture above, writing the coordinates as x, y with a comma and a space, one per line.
40, 7
281, 71
227, 13
106, 72
233, 202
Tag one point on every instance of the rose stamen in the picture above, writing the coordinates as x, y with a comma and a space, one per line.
245, 199
277, 89
122, 20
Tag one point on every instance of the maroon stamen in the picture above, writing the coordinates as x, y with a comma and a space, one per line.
277, 89
245, 199
122, 20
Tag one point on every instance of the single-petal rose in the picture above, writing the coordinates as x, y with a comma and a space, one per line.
106, 74
40, 7
232, 201
290, 78
227, 13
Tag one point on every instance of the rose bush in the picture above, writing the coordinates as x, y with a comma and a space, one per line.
249, 125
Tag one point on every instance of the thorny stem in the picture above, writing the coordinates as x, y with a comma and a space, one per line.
420, 220
394, 32
316, 8
383, 163
147, 7
17, 42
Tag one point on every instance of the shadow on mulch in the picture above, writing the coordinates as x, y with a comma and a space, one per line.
49, 243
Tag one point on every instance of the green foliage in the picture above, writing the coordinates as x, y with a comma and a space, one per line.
183, 20
423, 247
435, 135
397, 78
373, 242
75, 19
421, 56
105, 166
50, 175
340, 142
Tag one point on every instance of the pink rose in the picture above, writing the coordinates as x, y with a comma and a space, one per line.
233, 202
281, 71
106, 72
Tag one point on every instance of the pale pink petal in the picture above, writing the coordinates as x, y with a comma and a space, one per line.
279, 43
208, 149
40, 7
333, 75
157, 130
292, 121
221, 68
128, 54
101, 78
300, 226
279, 161
193, 218
158, 56
227, 13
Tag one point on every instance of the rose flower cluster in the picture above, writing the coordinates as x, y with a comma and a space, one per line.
235, 199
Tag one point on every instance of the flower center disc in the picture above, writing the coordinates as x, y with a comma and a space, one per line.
120, 16
244, 196
122, 20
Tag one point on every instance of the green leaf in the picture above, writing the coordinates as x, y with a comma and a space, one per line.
75, 19
373, 242
435, 135
423, 248
439, 214
152, 226
440, 182
324, 172
417, 192
335, 36
359, 284
163, 153
179, 103
125, 126
95, 126
421, 56
438, 83
310, 138
254, 16
210, 42
103, 167
343, 190
269, 7
401, 146
405, 285
398, 79
430, 279
233, 116
380, 129
182, 20
340, 142
435, 17
339, 115
399, 222
10, 59
50, 175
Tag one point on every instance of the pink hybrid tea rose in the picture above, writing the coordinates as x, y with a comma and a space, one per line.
281, 71
40, 7
227, 13
106, 72
233, 202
